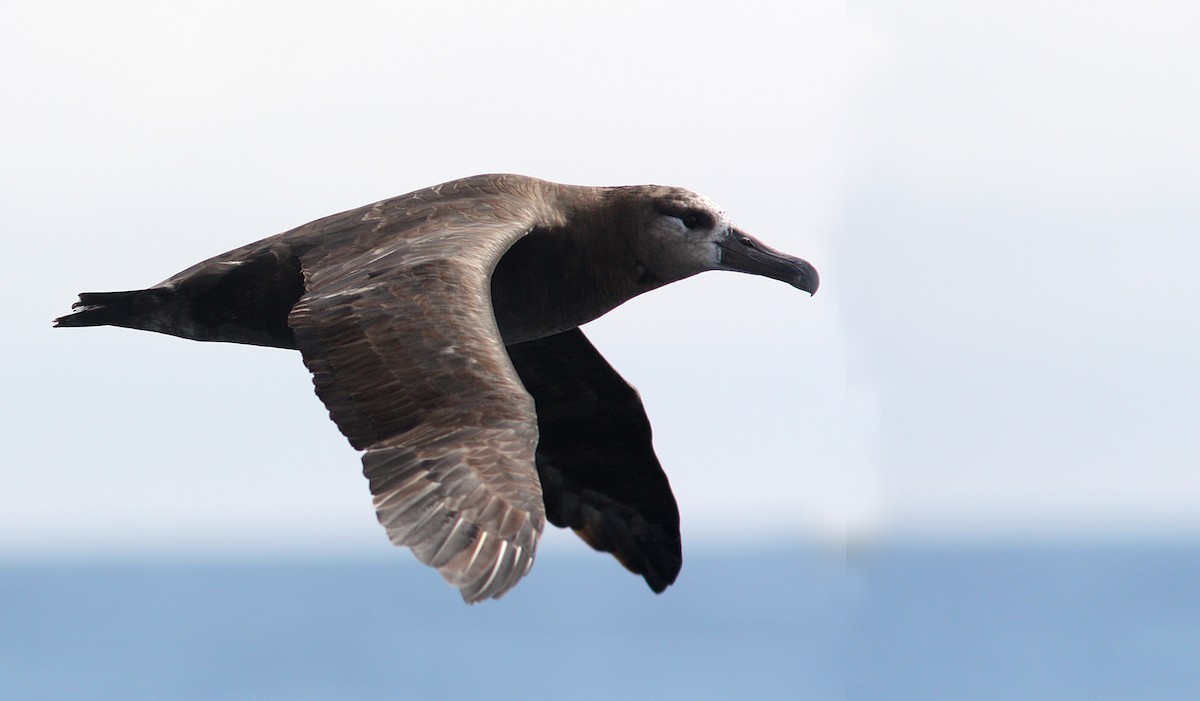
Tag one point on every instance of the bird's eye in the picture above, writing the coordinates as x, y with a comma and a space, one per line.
692, 219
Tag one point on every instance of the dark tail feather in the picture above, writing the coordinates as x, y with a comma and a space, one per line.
110, 308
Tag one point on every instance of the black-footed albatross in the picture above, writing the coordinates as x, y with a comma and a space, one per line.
441, 329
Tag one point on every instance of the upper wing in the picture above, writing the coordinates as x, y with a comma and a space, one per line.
597, 465
404, 351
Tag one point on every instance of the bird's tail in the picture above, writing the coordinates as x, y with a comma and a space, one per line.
126, 309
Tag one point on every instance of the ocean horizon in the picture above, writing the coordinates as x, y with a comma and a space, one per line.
899, 621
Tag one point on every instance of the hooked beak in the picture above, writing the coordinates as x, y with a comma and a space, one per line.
745, 254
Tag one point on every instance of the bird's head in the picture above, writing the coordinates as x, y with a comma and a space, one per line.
682, 233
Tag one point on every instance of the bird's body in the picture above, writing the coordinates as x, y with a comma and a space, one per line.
441, 328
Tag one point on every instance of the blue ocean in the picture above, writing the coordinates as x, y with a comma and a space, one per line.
891, 622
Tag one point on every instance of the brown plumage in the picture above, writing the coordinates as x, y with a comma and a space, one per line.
441, 328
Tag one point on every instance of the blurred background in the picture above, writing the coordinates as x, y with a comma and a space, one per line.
966, 468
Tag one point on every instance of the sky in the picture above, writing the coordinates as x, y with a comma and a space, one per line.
998, 196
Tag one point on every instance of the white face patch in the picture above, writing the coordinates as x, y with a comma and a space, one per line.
682, 237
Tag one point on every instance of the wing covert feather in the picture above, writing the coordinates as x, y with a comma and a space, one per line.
404, 351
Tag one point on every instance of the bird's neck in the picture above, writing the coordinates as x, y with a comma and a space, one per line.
555, 279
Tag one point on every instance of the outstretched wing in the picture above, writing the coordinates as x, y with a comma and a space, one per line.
405, 354
598, 470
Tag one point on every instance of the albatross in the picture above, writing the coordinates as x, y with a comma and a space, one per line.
441, 329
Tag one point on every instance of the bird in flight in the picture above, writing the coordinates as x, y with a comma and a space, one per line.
442, 331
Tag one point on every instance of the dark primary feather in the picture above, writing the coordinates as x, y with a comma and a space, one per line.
598, 470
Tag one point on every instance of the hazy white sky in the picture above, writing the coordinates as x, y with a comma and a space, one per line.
1022, 232
999, 200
